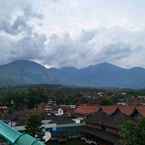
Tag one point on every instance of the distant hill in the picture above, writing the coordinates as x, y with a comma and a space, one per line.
24, 72
101, 75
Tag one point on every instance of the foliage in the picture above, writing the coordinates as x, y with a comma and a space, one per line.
31, 96
133, 134
107, 102
33, 124
28, 98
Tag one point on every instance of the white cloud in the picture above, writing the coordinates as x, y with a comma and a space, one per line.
72, 33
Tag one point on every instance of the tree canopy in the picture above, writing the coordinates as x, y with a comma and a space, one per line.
33, 124
133, 134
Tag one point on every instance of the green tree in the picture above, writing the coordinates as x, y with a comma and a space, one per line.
33, 124
141, 133
127, 133
133, 134
70, 100
107, 102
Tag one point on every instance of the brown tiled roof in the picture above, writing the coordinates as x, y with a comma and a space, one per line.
86, 109
141, 110
109, 109
98, 108
127, 110
113, 116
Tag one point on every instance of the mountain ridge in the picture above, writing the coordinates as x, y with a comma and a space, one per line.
23, 72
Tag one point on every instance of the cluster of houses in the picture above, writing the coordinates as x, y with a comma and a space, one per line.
103, 122
93, 123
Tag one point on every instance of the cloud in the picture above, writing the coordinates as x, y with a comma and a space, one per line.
107, 45
21, 23
22, 37
90, 47
18, 39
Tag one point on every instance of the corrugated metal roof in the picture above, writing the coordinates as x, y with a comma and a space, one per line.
16, 138
8, 133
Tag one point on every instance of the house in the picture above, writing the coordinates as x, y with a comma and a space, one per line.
3, 109
62, 128
85, 109
104, 124
59, 128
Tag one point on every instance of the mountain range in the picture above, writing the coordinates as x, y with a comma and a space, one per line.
24, 72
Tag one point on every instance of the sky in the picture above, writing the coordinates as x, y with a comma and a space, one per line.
73, 33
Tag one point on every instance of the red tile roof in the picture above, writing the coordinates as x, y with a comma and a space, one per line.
127, 110
109, 109
141, 110
86, 109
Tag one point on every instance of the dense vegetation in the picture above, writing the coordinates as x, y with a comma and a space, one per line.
31, 96
133, 134
33, 124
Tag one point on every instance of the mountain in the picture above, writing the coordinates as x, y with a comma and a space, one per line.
101, 75
23, 72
